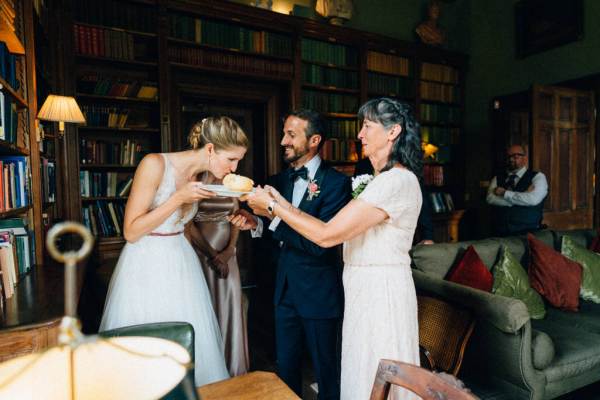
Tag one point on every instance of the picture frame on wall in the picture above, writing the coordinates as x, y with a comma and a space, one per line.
545, 24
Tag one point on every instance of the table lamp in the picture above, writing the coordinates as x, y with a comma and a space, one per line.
428, 149
89, 367
61, 109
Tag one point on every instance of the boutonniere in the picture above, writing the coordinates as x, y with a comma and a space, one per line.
359, 183
313, 189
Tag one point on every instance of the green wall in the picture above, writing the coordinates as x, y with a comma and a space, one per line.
494, 70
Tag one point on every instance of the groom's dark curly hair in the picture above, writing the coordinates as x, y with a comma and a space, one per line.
406, 149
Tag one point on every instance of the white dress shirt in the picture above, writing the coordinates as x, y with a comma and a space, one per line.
533, 197
300, 186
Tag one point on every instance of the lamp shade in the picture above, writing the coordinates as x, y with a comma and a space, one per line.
117, 368
61, 109
428, 149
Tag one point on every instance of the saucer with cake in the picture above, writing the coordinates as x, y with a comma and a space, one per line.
233, 186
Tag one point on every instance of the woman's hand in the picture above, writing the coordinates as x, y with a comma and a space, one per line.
259, 201
192, 192
219, 263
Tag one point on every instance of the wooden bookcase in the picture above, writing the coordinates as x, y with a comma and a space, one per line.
193, 44
116, 86
19, 155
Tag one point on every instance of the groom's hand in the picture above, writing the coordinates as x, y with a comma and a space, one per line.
243, 220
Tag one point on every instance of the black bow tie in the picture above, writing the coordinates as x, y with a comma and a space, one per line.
301, 172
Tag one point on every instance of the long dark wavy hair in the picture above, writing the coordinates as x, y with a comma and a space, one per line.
406, 149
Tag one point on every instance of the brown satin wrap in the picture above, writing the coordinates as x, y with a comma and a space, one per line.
230, 307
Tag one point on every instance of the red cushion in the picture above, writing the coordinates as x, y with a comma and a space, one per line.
471, 271
553, 275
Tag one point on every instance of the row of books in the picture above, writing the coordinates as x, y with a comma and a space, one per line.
340, 150
390, 85
324, 76
441, 202
230, 62
8, 67
229, 36
440, 73
329, 102
126, 152
342, 128
93, 83
110, 184
116, 117
439, 113
329, 53
116, 13
388, 63
104, 218
433, 174
14, 182
100, 42
438, 135
17, 244
9, 118
439, 92
48, 174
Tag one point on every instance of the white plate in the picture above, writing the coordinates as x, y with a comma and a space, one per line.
222, 191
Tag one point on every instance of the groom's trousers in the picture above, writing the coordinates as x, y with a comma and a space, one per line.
320, 336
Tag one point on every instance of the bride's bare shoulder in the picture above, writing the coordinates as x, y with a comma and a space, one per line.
152, 164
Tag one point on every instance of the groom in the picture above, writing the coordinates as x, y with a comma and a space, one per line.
308, 286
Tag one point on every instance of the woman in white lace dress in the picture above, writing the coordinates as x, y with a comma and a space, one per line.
377, 228
158, 277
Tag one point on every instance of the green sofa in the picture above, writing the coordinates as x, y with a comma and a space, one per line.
524, 358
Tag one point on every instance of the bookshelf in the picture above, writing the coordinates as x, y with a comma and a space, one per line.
174, 43
21, 169
116, 85
440, 109
331, 84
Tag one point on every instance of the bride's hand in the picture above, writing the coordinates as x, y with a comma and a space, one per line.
192, 192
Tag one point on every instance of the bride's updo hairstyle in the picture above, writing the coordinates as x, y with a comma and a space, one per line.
406, 149
222, 132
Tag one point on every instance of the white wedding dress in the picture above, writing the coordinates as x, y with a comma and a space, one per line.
160, 279
380, 311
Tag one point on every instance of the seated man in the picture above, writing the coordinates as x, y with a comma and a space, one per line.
517, 195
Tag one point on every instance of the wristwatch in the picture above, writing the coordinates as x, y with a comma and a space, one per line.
271, 206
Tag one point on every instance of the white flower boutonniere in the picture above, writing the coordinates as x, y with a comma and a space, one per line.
359, 183
313, 189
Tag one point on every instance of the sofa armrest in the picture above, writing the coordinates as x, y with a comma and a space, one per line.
506, 314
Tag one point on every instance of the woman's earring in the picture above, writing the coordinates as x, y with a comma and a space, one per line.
209, 161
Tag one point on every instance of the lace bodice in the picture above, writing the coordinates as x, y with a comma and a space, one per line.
397, 192
176, 221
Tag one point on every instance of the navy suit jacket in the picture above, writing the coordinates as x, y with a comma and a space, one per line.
313, 274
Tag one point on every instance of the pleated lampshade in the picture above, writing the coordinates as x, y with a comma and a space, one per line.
61, 109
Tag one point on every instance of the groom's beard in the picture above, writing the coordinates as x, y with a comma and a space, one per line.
296, 154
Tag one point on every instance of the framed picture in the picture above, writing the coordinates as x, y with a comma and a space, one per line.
544, 24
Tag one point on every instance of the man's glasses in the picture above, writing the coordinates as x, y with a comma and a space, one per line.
514, 155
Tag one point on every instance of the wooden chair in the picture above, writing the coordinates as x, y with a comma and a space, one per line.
444, 331
429, 385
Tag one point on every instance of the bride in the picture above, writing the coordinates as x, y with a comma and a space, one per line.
158, 277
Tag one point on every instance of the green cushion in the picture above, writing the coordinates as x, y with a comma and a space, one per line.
590, 262
511, 280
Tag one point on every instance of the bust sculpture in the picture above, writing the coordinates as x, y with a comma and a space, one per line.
429, 32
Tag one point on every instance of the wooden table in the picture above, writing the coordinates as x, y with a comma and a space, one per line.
258, 385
